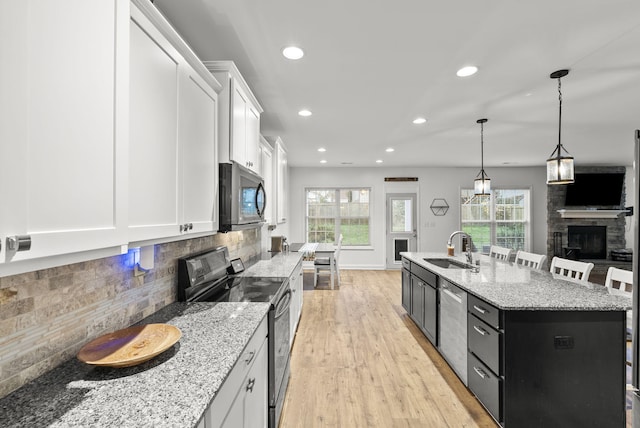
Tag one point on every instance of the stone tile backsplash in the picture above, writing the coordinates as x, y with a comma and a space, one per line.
46, 316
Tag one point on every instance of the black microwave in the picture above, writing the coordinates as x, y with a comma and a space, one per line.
242, 198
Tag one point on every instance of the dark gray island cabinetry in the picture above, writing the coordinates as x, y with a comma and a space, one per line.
419, 298
541, 351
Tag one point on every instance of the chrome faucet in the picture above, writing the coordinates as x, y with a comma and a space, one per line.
469, 244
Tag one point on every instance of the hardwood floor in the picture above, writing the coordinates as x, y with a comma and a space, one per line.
359, 361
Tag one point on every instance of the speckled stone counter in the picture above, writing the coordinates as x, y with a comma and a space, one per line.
171, 390
513, 287
278, 265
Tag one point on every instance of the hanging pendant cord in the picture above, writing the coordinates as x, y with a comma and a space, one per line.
559, 115
482, 149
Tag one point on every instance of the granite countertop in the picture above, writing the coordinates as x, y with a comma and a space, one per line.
513, 287
173, 389
275, 265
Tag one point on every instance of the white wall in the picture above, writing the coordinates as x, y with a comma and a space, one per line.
443, 183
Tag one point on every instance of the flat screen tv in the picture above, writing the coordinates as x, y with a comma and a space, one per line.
596, 190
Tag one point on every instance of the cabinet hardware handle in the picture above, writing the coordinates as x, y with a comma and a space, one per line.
250, 357
19, 243
250, 384
479, 309
482, 331
480, 372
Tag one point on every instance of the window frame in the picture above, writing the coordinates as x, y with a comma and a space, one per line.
493, 222
338, 218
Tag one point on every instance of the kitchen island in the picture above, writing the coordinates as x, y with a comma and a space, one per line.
536, 349
173, 389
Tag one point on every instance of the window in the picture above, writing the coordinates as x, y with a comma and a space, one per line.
503, 218
331, 212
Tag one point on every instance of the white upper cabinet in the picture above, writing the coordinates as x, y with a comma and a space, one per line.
266, 168
282, 177
63, 126
173, 177
198, 118
239, 124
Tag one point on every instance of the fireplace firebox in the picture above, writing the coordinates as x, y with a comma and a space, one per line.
590, 240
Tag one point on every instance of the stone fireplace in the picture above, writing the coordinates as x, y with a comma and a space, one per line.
586, 236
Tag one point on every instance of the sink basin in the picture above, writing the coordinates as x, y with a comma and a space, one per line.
448, 263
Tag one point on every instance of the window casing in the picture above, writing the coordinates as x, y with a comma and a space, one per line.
503, 218
334, 211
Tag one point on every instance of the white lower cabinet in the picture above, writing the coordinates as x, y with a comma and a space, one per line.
242, 401
295, 310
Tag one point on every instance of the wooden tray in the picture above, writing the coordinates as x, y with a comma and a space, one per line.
130, 346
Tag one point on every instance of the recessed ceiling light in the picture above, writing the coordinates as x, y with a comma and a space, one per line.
305, 113
390, 149
323, 161
419, 120
292, 52
467, 71
322, 149
379, 161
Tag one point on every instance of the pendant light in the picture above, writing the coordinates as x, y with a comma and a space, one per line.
482, 183
559, 166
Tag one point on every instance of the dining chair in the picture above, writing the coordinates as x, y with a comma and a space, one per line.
323, 264
571, 268
532, 260
620, 282
500, 253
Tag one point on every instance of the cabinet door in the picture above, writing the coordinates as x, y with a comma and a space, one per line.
281, 183
431, 313
296, 300
252, 138
197, 138
268, 177
153, 154
417, 300
406, 290
256, 410
238, 144
250, 407
62, 125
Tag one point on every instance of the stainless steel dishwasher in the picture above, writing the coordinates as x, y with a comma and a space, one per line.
453, 327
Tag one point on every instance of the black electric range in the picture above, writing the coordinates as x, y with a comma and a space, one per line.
205, 277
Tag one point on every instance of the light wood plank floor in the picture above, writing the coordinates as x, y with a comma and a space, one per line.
359, 361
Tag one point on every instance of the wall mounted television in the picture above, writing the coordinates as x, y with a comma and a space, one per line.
596, 190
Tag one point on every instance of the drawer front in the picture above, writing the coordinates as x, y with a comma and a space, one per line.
486, 386
425, 275
406, 264
486, 312
485, 342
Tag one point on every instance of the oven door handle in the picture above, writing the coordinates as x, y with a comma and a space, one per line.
281, 308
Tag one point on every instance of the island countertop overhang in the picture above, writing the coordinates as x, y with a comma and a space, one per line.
513, 287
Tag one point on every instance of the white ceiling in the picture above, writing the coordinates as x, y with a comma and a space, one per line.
372, 66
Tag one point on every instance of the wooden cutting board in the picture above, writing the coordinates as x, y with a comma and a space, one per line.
130, 346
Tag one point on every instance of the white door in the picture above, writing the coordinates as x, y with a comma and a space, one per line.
402, 230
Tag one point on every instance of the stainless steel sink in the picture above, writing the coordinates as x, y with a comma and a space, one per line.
448, 263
